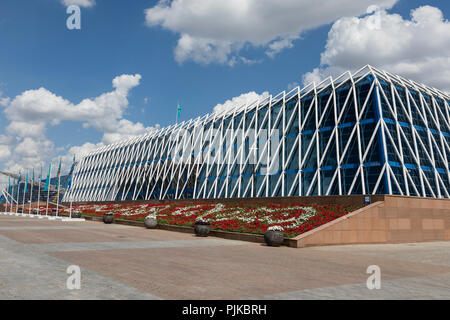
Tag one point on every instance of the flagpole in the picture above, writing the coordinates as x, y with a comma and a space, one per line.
24, 193
48, 196
71, 200
68, 188
71, 207
12, 195
57, 195
6, 202
10, 189
57, 191
31, 195
15, 191
23, 200
48, 187
18, 195
39, 193
178, 112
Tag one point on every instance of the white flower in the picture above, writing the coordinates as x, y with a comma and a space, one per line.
201, 219
275, 228
218, 208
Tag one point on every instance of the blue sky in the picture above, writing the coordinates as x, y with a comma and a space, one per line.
118, 38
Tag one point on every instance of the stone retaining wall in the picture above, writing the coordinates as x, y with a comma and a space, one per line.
395, 220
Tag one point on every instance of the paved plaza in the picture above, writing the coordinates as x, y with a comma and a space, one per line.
124, 262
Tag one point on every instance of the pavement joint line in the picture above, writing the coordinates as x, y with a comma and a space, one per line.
100, 246
34, 275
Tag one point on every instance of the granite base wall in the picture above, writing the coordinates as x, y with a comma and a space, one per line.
395, 220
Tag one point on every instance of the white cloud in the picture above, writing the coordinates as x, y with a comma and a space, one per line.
4, 101
315, 76
418, 48
126, 129
22, 129
203, 51
293, 85
84, 149
81, 3
31, 112
5, 152
28, 153
31, 149
215, 31
240, 101
79, 152
279, 45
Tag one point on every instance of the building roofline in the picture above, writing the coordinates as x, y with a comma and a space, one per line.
362, 72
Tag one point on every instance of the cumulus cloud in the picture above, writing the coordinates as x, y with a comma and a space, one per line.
31, 149
5, 153
30, 113
240, 101
203, 51
277, 46
215, 31
81, 3
79, 152
32, 110
417, 48
126, 129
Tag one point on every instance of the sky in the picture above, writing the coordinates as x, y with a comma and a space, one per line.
69, 91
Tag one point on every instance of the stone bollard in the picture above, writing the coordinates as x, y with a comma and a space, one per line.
108, 218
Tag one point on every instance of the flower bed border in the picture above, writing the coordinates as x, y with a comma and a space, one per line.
320, 200
256, 238
357, 200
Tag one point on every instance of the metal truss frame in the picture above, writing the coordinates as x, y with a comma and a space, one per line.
370, 132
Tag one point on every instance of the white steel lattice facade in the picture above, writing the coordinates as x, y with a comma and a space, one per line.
367, 133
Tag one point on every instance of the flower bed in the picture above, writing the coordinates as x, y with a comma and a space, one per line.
294, 218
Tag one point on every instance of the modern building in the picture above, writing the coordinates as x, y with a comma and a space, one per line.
370, 132
17, 193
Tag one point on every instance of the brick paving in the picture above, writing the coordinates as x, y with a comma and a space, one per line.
123, 262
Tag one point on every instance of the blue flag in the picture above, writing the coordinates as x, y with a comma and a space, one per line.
59, 169
26, 184
47, 182
69, 182
14, 186
179, 109
18, 185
